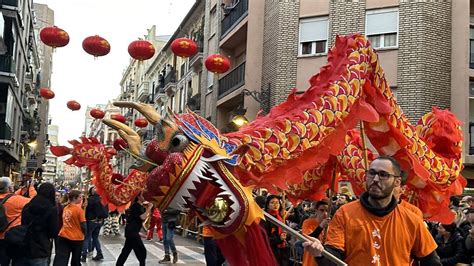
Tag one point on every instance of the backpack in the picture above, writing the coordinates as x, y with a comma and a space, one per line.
3, 215
17, 235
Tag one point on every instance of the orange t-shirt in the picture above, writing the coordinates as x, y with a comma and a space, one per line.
206, 231
13, 208
31, 191
412, 208
308, 227
73, 216
367, 239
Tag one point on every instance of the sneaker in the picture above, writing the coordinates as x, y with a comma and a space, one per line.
90, 254
175, 257
98, 257
165, 260
83, 258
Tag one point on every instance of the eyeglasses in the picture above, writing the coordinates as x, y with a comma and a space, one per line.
371, 173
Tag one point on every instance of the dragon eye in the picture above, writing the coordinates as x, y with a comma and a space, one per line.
178, 143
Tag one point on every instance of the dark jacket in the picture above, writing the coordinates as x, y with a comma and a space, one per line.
451, 252
42, 217
134, 221
95, 209
282, 254
170, 215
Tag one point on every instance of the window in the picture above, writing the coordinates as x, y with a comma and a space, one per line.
210, 80
381, 27
313, 36
471, 89
471, 48
213, 22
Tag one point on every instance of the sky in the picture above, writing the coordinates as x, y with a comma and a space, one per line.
76, 74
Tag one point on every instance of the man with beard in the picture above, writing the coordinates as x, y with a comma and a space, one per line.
376, 230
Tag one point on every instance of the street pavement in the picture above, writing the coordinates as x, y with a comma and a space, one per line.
190, 252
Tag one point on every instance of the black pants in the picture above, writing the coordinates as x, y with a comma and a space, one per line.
132, 242
212, 252
64, 249
10, 253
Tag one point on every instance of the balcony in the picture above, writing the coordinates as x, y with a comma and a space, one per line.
143, 91
7, 64
170, 81
196, 60
10, 2
5, 131
233, 15
232, 81
194, 103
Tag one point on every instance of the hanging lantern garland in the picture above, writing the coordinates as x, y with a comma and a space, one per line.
96, 46
141, 122
217, 63
120, 144
97, 113
54, 37
141, 50
118, 117
46, 93
73, 105
184, 47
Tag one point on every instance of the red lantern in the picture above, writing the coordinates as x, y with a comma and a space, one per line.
184, 47
46, 93
118, 117
217, 63
141, 50
117, 179
96, 46
141, 122
73, 105
120, 144
54, 37
97, 113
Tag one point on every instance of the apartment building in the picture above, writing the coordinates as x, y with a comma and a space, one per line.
274, 46
19, 67
50, 173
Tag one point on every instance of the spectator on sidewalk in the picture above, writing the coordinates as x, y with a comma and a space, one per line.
28, 189
13, 205
136, 214
95, 215
41, 215
169, 218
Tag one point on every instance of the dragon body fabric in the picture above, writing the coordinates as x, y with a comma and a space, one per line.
300, 146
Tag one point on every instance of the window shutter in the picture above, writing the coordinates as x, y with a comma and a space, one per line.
382, 22
312, 30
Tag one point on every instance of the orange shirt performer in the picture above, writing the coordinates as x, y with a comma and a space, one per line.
376, 230
72, 233
314, 226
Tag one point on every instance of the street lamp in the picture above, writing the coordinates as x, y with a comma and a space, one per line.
262, 98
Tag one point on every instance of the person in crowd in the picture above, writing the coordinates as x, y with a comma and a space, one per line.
314, 226
340, 200
467, 202
41, 216
111, 224
27, 189
450, 245
277, 236
169, 218
71, 236
466, 225
469, 237
212, 253
260, 200
376, 230
155, 223
136, 214
13, 205
95, 215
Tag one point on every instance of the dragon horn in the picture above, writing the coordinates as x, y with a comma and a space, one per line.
128, 134
145, 109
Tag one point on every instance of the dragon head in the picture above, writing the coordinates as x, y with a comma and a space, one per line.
189, 165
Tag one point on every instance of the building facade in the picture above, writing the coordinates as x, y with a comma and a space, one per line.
19, 68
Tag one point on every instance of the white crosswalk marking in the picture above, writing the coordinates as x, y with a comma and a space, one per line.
114, 249
192, 254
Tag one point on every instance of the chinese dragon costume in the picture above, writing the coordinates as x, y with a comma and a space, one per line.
300, 147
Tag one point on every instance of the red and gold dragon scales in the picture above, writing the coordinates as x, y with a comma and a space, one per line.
190, 164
